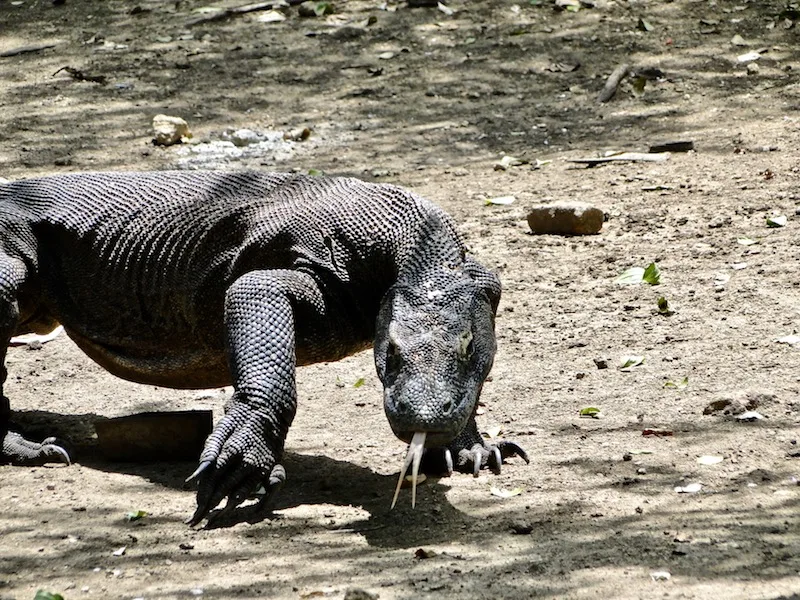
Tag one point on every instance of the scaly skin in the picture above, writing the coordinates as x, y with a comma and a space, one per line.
203, 279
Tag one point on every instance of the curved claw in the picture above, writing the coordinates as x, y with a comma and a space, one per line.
477, 459
238, 485
509, 449
238, 457
448, 459
218, 484
496, 460
51, 449
480, 454
276, 480
198, 471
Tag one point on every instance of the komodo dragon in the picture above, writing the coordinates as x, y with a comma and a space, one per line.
205, 279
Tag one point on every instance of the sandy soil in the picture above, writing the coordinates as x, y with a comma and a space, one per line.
432, 101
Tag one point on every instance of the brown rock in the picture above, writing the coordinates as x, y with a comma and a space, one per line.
565, 219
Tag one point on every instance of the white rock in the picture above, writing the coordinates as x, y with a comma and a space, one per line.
170, 130
692, 488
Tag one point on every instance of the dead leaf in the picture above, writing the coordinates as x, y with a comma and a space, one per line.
493, 431
644, 25
750, 415
507, 162
561, 67
503, 493
691, 488
658, 432
445, 9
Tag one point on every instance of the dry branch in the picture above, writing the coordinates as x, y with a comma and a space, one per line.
224, 13
622, 156
612, 83
28, 49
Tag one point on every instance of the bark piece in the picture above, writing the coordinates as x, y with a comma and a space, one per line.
155, 436
676, 146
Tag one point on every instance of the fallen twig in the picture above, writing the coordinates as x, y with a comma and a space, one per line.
613, 81
224, 13
625, 70
28, 49
622, 156
78, 75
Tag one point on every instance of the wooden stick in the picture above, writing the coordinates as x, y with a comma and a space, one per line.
612, 83
622, 156
27, 49
224, 13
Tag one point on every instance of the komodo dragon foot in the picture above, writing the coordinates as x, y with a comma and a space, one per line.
236, 461
17, 450
472, 453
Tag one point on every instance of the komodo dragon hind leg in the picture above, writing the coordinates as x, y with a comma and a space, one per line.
472, 453
15, 449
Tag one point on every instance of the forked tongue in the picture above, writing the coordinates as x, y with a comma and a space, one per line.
415, 450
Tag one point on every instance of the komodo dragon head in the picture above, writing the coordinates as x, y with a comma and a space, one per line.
434, 347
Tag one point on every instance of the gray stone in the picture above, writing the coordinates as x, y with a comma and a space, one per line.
565, 219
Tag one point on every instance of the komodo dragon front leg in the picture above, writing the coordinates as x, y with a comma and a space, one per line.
16, 449
246, 446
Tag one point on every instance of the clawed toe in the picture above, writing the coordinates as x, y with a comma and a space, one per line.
491, 456
237, 493
508, 449
19, 451
51, 450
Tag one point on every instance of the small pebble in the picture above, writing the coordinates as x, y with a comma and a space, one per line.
521, 528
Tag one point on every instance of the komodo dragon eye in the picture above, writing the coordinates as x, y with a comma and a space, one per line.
393, 358
466, 345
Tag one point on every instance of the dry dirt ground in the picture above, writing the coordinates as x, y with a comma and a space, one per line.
431, 101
